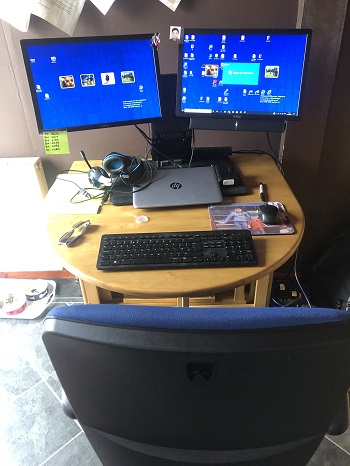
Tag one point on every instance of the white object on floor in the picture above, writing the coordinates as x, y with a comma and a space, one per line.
33, 309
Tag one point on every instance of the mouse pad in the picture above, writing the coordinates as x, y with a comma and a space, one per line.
248, 217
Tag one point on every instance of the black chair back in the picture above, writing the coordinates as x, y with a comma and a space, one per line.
159, 386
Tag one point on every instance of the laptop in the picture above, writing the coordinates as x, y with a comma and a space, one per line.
177, 187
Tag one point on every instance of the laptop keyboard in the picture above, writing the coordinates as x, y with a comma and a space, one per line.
176, 250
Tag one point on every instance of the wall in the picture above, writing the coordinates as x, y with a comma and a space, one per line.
315, 149
332, 193
313, 168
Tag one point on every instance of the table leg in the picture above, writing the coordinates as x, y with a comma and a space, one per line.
89, 292
263, 291
183, 301
239, 296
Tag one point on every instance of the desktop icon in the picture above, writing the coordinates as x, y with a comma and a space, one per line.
272, 71
108, 79
66, 82
212, 70
128, 77
87, 80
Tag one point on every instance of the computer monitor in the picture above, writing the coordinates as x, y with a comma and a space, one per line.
246, 79
81, 83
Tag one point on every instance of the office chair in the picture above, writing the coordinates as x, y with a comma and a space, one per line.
165, 386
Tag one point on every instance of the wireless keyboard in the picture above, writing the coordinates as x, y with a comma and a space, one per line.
176, 250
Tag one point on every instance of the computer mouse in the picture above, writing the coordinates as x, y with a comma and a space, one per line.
269, 214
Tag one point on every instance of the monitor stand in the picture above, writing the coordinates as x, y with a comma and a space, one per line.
229, 178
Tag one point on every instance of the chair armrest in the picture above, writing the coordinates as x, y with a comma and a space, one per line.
341, 421
66, 406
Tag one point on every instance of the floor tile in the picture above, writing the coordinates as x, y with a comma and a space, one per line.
19, 349
342, 440
329, 454
54, 384
33, 427
77, 452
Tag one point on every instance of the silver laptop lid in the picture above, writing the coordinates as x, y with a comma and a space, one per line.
178, 187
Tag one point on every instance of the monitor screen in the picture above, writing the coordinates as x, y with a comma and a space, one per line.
82, 83
242, 74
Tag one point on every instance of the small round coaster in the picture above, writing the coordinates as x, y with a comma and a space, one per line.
141, 219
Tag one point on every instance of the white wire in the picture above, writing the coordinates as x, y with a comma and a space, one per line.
297, 279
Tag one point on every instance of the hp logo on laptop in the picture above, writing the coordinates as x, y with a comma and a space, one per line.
176, 185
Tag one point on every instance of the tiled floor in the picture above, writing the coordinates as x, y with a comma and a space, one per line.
33, 429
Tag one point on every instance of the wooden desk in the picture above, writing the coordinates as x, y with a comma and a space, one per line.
248, 286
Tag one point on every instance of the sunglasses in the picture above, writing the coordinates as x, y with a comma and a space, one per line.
78, 229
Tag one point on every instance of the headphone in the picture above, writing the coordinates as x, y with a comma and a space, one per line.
99, 178
130, 169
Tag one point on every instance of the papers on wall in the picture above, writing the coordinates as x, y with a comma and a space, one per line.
63, 14
172, 4
17, 13
103, 5
56, 142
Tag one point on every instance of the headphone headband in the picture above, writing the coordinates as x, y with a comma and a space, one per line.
128, 167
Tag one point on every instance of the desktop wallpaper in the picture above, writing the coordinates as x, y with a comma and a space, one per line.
250, 73
94, 83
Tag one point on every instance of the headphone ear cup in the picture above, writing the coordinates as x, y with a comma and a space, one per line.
134, 172
98, 177
115, 163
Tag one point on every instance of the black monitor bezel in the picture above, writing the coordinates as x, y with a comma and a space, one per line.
24, 43
234, 117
